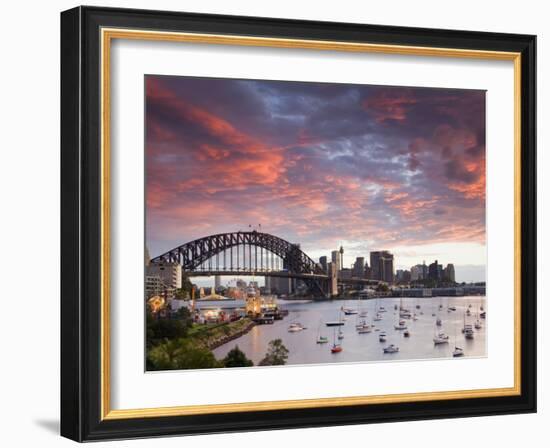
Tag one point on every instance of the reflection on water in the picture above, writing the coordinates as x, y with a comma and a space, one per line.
303, 347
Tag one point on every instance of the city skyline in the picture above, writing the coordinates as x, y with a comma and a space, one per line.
323, 165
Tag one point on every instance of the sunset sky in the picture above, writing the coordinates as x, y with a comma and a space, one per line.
323, 165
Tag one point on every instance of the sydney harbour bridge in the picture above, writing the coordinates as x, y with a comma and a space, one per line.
255, 253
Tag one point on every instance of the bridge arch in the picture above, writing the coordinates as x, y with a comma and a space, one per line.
194, 254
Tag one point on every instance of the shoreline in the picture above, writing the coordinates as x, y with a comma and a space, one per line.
212, 341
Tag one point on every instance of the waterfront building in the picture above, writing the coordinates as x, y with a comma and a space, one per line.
169, 273
335, 258
267, 282
403, 275
147, 257
153, 286
282, 285
386, 269
450, 272
474, 290
417, 272
446, 292
346, 273
367, 293
435, 271
324, 263
367, 272
359, 267
333, 269
381, 264
415, 292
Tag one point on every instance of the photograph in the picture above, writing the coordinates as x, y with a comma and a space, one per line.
299, 222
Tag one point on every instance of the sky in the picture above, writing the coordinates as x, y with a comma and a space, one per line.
320, 164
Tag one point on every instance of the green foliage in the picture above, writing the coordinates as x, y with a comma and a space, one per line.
276, 355
180, 354
185, 316
159, 329
382, 287
236, 358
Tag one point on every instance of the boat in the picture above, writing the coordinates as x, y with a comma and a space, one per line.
361, 324
469, 305
320, 338
382, 337
340, 335
349, 311
482, 315
438, 322
458, 352
378, 317
364, 329
468, 312
441, 338
401, 325
477, 325
381, 309
334, 323
406, 334
295, 327
481, 308
452, 308
415, 317
468, 331
336, 348
404, 313
391, 349
363, 314
395, 307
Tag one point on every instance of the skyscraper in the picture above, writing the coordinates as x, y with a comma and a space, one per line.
217, 281
359, 267
435, 271
323, 262
386, 268
381, 265
450, 272
335, 258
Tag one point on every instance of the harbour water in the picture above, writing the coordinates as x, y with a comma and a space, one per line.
304, 349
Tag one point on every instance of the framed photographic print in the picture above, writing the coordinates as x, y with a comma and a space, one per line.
276, 224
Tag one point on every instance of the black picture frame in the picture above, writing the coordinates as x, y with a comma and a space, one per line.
81, 224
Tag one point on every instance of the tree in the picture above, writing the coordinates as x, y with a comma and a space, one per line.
236, 358
180, 354
184, 315
276, 355
164, 328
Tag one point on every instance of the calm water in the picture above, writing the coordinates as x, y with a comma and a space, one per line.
366, 347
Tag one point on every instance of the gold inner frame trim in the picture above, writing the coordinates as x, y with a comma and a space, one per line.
107, 35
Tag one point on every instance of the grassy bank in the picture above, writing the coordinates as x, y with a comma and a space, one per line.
211, 337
